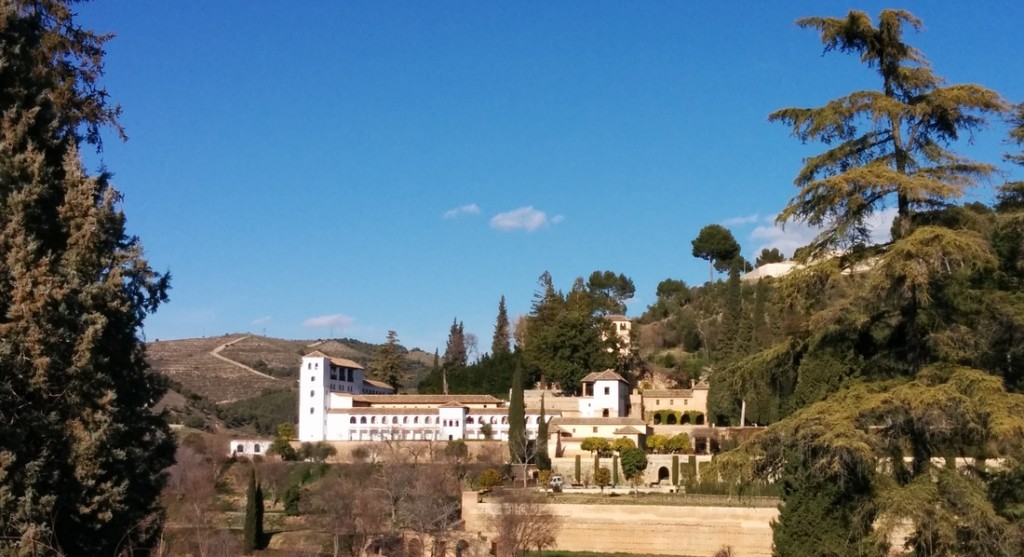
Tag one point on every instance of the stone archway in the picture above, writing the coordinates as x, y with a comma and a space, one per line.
657, 418
670, 419
663, 474
414, 548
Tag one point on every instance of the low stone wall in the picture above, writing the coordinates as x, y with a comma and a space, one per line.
659, 467
419, 451
651, 529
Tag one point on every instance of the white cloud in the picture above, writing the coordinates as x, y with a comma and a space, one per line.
336, 320
798, 234
880, 224
735, 221
261, 320
471, 209
524, 218
795, 235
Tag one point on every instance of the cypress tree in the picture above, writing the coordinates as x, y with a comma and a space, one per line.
259, 516
543, 460
250, 528
81, 453
517, 419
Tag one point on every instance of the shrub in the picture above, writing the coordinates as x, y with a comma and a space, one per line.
489, 478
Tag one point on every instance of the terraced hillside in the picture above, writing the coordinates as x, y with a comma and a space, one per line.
256, 363
191, 363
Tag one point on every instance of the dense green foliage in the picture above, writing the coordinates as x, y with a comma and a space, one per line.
488, 375
565, 336
261, 414
251, 521
502, 331
609, 292
388, 363
542, 459
893, 360
517, 437
634, 462
715, 244
82, 456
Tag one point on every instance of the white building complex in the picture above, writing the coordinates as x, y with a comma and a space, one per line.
337, 403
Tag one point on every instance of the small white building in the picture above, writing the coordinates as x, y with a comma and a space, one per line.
605, 395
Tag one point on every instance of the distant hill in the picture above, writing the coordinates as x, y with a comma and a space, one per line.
272, 363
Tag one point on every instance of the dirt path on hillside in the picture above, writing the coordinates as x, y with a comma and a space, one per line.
216, 354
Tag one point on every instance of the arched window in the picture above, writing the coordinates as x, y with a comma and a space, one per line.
427, 420
256, 448
240, 448
373, 419
504, 419
469, 419
352, 420
394, 419
362, 420
405, 419
415, 419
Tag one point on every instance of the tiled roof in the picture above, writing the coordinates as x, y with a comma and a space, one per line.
426, 399
378, 384
567, 421
628, 430
366, 410
606, 375
668, 393
616, 317
341, 362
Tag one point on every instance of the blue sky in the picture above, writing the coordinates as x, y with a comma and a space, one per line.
352, 167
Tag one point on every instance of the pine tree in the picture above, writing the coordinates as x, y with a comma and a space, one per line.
388, 363
502, 332
883, 144
455, 350
81, 452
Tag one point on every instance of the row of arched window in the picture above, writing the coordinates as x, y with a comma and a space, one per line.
494, 420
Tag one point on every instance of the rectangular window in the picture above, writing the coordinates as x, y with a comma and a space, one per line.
607, 390
595, 429
309, 365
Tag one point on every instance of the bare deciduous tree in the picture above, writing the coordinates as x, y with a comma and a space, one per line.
352, 515
523, 522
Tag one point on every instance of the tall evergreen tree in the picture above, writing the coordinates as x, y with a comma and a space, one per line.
884, 145
517, 440
542, 459
502, 332
388, 363
250, 525
905, 328
455, 350
82, 455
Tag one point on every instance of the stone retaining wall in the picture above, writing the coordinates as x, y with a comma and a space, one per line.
651, 529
